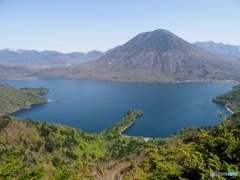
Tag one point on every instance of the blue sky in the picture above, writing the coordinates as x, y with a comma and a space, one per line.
85, 25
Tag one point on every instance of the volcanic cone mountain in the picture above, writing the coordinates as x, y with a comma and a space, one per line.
158, 56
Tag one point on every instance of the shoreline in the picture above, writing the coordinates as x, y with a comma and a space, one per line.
26, 107
121, 133
184, 81
126, 128
229, 109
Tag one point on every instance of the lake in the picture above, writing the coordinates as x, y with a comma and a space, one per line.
95, 105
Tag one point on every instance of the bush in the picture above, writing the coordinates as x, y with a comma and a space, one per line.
49, 145
56, 161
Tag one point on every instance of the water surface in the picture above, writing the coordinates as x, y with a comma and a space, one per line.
94, 105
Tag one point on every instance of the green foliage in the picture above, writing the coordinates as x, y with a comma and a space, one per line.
128, 120
49, 145
45, 130
120, 146
230, 99
71, 155
12, 99
65, 152
4, 121
39, 90
217, 151
14, 166
56, 161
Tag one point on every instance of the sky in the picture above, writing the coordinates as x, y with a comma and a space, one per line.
86, 25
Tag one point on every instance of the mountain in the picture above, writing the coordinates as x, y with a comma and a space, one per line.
18, 57
109, 50
219, 48
158, 56
17, 72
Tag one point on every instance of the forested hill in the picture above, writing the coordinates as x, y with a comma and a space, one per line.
36, 150
50, 151
230, 99
12, 99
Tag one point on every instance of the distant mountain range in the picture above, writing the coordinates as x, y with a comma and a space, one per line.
220, 48
156, 56
18, 57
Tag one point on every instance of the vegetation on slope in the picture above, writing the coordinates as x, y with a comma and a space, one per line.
43, 150
39, 90
230, 99
12, 99
215, 150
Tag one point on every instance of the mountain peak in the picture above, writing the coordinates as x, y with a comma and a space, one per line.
14, 50
158, 31
157, 41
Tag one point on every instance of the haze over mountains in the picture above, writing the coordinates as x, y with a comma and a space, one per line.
156, 56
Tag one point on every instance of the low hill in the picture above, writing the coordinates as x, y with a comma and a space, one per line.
12, 99
158, 56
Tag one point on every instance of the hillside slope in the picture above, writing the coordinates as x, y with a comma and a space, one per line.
32, 149
49, 151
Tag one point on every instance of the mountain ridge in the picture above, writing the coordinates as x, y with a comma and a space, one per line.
21, 57
219, 48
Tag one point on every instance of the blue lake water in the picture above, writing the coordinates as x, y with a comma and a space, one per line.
95, 105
